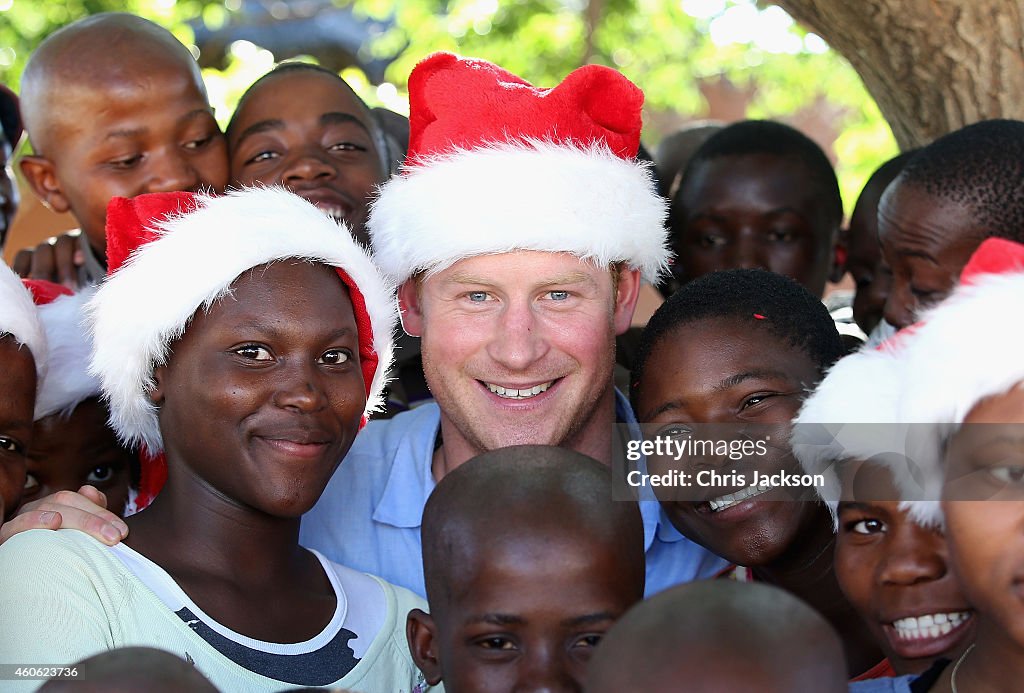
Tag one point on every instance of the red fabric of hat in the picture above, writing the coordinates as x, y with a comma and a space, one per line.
44, 292
462, 103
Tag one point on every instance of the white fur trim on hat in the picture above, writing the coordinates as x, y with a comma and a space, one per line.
20, 318
851, 415
530, 195
147, 303
68, 381
968, 348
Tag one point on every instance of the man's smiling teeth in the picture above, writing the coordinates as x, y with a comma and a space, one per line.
336, 213
930, 626
513, 393
732, 499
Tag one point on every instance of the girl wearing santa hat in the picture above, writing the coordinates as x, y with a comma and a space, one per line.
243, 381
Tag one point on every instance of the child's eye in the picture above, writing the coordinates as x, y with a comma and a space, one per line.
754, 400
126, 162
198, 143
782, 235
100, 474
675, 431
346, 147
254, 352
496, 643
711, 240
589, 640
868, 526
262, 156
11, 445
1008, 474
31, 484
335, 357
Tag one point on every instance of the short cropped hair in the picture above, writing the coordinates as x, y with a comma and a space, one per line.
771, 300
980, 167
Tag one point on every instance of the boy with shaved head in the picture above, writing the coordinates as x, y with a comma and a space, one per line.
520, 598
114, 106
716, 636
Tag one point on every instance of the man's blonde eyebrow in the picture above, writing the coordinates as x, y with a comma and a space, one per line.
576, 277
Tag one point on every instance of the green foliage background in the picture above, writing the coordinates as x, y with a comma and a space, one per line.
656, 43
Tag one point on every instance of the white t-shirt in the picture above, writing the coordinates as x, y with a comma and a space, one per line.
65, 596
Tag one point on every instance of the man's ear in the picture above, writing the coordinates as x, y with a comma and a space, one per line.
625, 298
421, 632
410, 306
156, 393
42, 178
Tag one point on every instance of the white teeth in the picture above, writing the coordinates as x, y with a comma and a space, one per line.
334, 212
929, 626
732, 499
513, 393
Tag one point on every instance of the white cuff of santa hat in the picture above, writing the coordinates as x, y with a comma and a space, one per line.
496, 165
19, 316
68, 382
170, 254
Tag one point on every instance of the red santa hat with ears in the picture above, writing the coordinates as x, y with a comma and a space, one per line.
19, 316
497, 165
172, 254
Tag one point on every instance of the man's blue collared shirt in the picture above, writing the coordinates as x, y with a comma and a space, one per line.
370, 513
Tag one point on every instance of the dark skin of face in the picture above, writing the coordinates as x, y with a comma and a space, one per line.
148, 131
864, 261
891, 568
259, 402
67, 453
18, 383
983, 505
727, 371
753, 211
926, 241
525, 613
308, 132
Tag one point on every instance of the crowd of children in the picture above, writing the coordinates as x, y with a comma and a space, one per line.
212, 476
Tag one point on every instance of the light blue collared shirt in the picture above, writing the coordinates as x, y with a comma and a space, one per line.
370, 514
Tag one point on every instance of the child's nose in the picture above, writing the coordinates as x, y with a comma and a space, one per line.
173, 174
307, 167
545, 672
914, 556
299, 388
900, 306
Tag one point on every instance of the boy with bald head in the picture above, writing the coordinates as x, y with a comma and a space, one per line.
519, 598
719, 635
114, 106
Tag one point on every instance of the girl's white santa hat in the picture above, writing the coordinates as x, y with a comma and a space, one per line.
172, 254
926, 378
68, 381
19, 318
496, 165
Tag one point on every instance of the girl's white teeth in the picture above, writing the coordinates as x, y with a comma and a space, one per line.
513, 393
929, 626
733, 498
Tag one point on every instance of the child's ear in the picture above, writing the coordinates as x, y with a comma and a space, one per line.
839, 254
410, 306
625, 298
421, 632
156, 393
42, 177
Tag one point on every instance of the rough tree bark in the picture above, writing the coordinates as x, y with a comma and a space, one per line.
931, 65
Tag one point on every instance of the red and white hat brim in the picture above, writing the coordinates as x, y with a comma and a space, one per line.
20, 318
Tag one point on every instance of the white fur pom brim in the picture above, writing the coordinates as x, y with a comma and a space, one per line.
147, 303
68, 381
20, 318
529, 195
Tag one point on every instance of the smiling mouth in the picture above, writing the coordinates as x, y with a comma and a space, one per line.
333, 211
721, 503
929, 626
518, 393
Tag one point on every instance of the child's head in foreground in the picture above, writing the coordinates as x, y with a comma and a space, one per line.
270, 352
959, 190
737, 348
302, 126
893, 568
527, 562
72, 443
758, 194
132, 670
115, 106
22, 364
719, 635
863, 253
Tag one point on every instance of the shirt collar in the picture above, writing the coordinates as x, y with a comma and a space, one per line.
411, 480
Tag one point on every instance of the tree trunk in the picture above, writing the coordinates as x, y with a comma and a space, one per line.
931, 65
